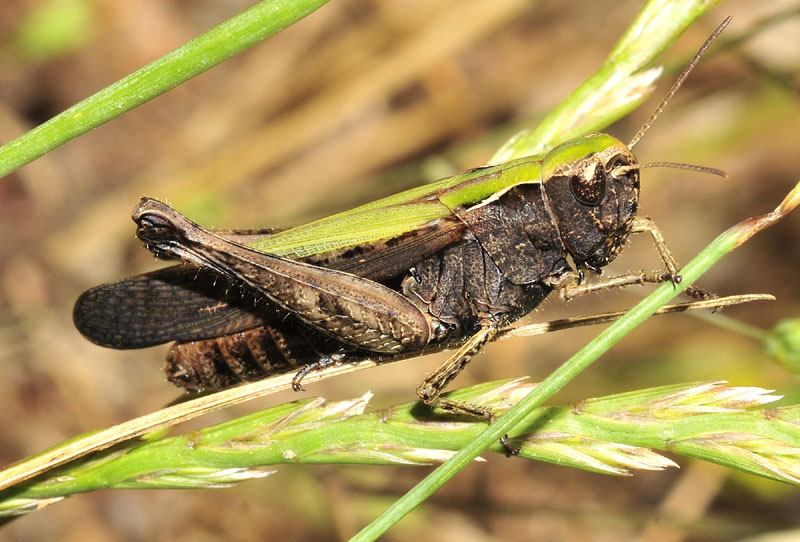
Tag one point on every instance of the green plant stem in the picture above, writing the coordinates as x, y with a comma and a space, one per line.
721, 246
202, 53
726, 322
591, 106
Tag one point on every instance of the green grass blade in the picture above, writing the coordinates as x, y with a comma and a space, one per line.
193, 58
619, 86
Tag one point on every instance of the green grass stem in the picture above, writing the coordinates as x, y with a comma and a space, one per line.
193, 58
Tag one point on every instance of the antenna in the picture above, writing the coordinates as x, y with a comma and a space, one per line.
622, 170
678, 82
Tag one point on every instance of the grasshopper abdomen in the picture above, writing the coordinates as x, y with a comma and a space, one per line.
247, 355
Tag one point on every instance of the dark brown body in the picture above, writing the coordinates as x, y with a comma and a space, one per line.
247, 315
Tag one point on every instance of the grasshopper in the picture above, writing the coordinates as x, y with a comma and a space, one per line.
447, 265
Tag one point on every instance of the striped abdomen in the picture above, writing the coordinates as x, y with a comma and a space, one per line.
246, 356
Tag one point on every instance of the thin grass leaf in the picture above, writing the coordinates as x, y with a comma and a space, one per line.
619, 86
193, 58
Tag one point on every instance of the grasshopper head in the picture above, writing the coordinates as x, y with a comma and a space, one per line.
593, 202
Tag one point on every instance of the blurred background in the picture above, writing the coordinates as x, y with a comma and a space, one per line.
357, 101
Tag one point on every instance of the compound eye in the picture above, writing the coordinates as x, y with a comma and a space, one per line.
590, 187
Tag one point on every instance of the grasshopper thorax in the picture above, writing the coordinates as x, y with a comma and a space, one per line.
593, 202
